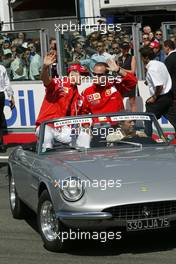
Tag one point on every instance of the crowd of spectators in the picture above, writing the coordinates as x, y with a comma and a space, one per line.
21, 56
155, 41
97, 46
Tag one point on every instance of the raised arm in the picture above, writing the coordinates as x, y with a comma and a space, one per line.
49, 59
128, 81
115, 68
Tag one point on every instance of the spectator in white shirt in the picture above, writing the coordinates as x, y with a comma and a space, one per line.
100, 56
35, 63
159, 82
4, 87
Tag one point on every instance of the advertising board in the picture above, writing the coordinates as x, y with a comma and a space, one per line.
29, 97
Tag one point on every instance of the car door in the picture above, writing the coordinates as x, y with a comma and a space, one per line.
22, 170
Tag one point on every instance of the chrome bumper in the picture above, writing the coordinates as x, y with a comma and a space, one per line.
83, 215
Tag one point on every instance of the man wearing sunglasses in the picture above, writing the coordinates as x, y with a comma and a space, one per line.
116, 52
158, 35
105, 95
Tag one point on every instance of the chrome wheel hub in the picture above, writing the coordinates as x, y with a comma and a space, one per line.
48, 221
12, 193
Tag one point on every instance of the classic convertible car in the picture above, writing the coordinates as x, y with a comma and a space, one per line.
102, 172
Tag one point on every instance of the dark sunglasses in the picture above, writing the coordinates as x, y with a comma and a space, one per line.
158, 34
98, 74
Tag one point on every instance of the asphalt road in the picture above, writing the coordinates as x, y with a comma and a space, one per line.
20, 243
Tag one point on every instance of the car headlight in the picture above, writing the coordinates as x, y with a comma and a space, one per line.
72, 189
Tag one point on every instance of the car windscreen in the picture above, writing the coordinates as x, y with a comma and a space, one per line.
101, 131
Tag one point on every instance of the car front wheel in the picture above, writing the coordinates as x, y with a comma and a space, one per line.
49, 226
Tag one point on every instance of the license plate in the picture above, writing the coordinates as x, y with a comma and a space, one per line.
146, 224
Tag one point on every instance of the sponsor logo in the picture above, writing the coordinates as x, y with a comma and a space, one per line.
90, 98
72, 122
96, 96
24, 111
130, 117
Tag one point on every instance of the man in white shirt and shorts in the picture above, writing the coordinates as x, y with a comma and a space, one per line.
159, 82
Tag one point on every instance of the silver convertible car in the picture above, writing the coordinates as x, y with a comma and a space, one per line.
101, 172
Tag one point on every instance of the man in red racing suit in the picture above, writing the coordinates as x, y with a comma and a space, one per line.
61, 99
106, 93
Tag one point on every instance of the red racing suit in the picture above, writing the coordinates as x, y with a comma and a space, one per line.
108, 98
61, 99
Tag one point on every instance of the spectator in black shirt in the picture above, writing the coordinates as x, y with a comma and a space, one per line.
128, 62
170, 62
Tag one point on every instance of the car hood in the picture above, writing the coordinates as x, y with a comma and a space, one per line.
146, 175
129, 165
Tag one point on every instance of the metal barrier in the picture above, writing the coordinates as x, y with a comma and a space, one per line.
169, 30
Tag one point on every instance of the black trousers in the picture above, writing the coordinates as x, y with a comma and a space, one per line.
2, 117
165, 106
